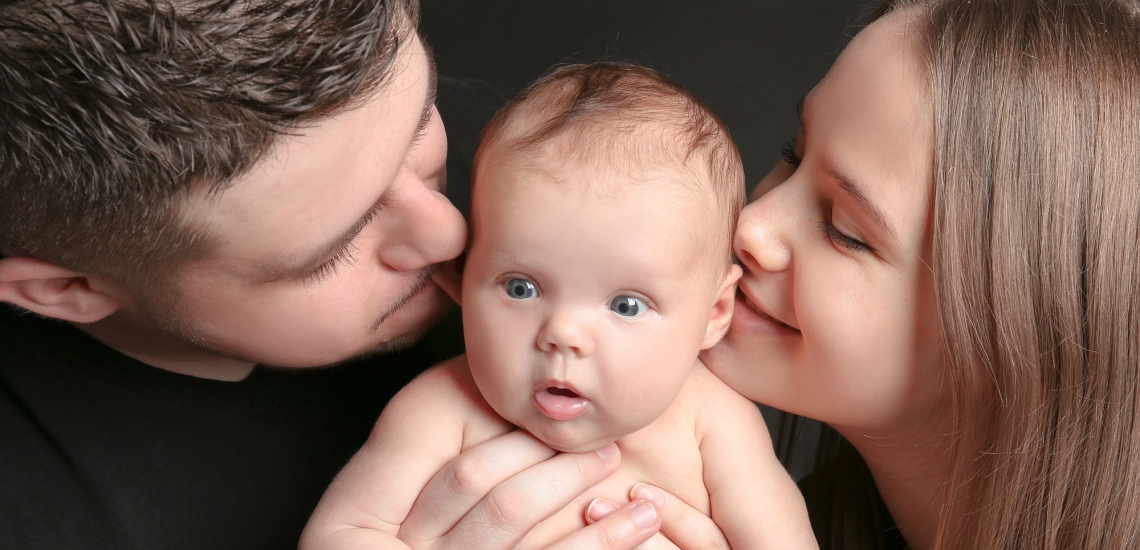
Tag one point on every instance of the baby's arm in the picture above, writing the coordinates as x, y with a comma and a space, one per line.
419, 432
754, 501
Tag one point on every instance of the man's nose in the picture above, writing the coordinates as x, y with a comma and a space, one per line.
422, 227
566, 332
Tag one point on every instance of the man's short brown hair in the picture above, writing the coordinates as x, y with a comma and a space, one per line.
113, 111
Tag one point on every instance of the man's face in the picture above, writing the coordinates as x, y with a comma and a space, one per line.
584, 311
326, 249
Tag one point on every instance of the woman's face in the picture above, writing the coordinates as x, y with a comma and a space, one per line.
835, 317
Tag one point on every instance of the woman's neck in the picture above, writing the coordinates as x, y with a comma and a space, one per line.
910, 473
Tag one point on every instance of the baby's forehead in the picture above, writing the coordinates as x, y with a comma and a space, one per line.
602, 166
606, 175
584, 187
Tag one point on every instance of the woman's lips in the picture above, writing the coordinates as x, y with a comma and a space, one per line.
754, 316
560, 403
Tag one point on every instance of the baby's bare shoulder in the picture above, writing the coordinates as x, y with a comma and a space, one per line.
447, 385
703, 390
446, 395
716, 406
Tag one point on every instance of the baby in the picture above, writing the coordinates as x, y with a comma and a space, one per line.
603, 208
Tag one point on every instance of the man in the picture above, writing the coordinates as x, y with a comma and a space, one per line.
192, 191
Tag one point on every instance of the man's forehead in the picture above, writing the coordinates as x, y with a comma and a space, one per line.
319, 179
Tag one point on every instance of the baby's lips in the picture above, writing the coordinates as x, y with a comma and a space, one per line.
560, 407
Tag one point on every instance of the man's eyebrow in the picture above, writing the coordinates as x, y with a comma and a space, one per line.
857, 195
432, 89
327, 250
337, 245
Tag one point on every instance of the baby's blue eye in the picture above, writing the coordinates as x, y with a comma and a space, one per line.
520, 289
628, 306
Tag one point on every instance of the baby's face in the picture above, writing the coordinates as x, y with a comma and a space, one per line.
584, 312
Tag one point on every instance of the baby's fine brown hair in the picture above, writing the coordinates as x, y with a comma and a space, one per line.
634, 119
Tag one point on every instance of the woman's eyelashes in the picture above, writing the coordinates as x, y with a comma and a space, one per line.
842, 239
788, 152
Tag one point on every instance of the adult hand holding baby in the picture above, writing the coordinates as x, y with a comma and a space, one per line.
493, 494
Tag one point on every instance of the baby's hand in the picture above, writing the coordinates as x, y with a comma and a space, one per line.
682, 526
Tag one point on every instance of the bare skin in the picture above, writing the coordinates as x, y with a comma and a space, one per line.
583, 333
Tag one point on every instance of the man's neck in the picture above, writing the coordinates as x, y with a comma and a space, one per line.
130, 335
910, 473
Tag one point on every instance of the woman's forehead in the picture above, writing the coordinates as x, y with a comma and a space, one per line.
868, 124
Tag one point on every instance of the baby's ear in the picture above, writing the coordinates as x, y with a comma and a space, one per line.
721, 314
53, 291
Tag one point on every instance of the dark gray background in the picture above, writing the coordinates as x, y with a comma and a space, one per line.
750, 60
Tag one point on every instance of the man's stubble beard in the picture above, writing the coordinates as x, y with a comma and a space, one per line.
169, 318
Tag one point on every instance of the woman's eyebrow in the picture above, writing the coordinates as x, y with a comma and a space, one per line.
847, 184
852, 190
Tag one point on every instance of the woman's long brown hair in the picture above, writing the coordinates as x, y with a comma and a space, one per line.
1036, 238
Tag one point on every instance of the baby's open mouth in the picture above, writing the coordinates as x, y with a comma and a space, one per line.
560, 403
562, 391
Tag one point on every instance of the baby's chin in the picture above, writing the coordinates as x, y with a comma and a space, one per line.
566, 442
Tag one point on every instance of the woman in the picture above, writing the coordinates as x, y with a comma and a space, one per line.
944, 270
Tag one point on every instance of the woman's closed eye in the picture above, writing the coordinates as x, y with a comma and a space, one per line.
842, 239
788, 154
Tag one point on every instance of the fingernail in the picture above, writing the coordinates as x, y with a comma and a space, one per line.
646, 492
599, 509
608, 453
644, 515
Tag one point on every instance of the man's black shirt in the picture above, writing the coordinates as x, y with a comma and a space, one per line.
98, 450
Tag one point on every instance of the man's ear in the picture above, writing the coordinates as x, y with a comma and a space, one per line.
721, 314
52, 291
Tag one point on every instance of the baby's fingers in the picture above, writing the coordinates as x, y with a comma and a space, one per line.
681, 524
623, 528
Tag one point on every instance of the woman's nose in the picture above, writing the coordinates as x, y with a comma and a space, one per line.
760, 243
563, 332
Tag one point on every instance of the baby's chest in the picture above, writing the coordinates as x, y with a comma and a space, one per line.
673, 463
